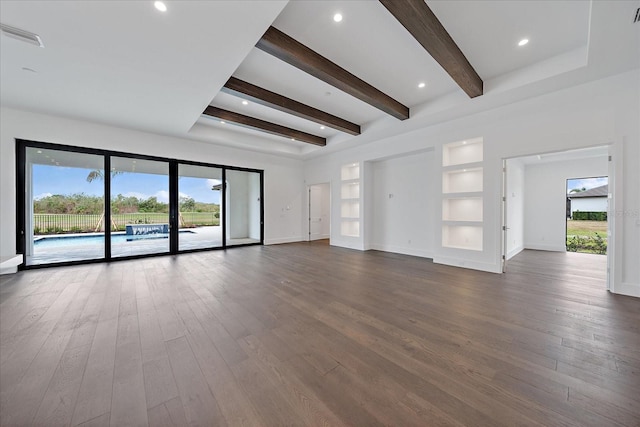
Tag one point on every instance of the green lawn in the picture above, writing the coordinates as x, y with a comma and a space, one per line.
587, 236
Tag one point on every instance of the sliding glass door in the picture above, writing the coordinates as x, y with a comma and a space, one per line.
199, 202
139, 207
64, 207
80, 205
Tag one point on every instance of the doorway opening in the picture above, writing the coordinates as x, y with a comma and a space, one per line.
587, 206
539, 208
319, 211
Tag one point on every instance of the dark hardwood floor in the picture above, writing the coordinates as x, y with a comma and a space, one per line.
308, 334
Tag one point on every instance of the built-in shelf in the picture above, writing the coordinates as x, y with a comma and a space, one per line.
350, 208
462, 197
350, 200
462, 237
350, 228
462, 209
463, 152
350, 172
462, 180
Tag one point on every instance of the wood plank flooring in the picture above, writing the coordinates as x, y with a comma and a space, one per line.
306, 334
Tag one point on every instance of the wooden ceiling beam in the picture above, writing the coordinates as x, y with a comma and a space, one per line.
291, 51
425, 27
264, 126
246, 90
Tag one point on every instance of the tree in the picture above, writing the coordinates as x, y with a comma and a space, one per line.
99, 175
578, 190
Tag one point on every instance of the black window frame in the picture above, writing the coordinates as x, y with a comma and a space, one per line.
21, 149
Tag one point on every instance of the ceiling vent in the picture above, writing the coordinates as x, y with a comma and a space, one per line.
23, 35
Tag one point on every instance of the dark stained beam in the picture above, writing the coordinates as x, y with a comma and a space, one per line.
265, 97
291, 51
272, 128
425, 27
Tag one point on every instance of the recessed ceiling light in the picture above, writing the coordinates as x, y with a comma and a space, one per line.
160, 6
464, 142
523, 42
321, 127
221, 122
245, 102
337, 17
293, 139
39, 151
421, 85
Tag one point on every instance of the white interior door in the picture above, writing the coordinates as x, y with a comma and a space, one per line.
319, 211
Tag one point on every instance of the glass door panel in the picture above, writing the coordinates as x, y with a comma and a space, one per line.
243, 208
64, 197
199, 192
139, 207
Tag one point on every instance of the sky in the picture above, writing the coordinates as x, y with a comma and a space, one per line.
50, 180
586, 183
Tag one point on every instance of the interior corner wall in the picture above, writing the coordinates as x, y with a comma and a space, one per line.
592, 114
515, 196
283, 192
545, 199
403, 205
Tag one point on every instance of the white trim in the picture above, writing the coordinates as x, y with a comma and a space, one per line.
401, 250
319, 236
538, 247
283, 240
9, 264
629, 289
356, 243
465, 263
515, 251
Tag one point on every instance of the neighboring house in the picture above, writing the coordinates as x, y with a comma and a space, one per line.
592, 200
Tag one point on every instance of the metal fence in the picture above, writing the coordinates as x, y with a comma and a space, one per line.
77, 223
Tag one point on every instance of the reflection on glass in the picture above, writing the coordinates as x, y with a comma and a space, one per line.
243, 207
64, 206
139, 207
199, 189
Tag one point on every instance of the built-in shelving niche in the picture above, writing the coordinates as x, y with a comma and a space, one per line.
462, 197
350, 200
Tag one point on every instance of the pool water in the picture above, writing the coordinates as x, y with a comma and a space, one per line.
77, 240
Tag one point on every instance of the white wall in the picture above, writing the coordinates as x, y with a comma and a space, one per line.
515, 207
592, 114
283, 177
589, 204
545, 199
404, 204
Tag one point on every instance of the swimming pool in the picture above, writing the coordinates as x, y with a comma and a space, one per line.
93, 239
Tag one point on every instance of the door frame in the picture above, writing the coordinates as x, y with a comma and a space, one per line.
328, 186
614, 228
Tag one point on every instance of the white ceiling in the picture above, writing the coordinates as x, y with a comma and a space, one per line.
126, 64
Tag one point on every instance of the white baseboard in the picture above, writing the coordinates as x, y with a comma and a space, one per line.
319, 236
8, 270
401, 250
347, 244
630, 289
465, 263
545, 247
514, 252
9, 264
280, 240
